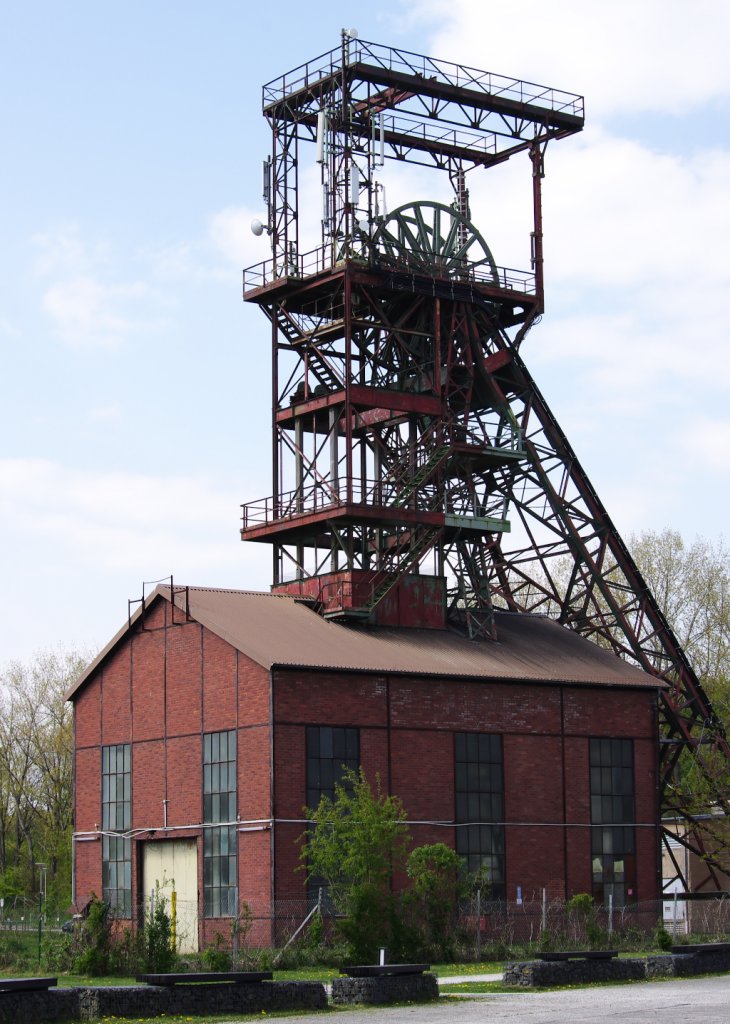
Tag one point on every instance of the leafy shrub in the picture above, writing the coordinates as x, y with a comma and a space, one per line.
216, 959
662, 938
158, 952
435, 871
58, 952
94, 940
16, 951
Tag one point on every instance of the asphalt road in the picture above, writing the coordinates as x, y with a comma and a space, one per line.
701, 1000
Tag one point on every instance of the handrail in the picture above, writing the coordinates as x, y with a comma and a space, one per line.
359, 51
326, 495
320, 259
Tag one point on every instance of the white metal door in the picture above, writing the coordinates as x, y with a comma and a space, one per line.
172, 865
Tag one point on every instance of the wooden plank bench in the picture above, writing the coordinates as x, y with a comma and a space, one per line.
26, 984
206, 977
579, 954
701, 947
383, 970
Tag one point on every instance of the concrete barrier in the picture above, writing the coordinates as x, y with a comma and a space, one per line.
82, 1004
390, 988
708, 959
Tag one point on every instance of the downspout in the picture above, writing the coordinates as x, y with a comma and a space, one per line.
272, 809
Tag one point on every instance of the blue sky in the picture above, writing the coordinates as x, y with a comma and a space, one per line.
134, 397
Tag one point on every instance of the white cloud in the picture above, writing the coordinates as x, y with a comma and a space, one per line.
87, 303
105, 413
707, 441
621, 214
108, 521
77, 543
87, 313
8, 329
62, 251
654, 56
230, 232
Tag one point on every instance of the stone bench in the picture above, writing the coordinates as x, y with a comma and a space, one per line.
701, 958
206, 977
579, 954
573, 967
701, 948
26, 984
383, 970
382, 984
200, 998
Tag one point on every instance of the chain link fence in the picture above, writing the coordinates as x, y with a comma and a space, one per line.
484, 928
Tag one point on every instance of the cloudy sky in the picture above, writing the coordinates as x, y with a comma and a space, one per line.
134, 386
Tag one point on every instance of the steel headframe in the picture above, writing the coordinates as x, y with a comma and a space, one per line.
406, 424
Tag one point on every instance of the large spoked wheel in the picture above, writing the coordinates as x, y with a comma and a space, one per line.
434, 238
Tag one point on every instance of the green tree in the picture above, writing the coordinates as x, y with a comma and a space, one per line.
36, 757
356, 843
437, 887
691, 583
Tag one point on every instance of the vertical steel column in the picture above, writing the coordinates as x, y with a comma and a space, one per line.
537, 156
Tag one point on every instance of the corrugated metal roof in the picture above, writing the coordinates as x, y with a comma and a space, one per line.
281, 630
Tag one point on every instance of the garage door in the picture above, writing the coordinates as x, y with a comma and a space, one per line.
172, 865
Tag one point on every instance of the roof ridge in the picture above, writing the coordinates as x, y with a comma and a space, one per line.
177, 587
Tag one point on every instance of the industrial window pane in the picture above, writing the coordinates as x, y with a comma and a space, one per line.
330, 751
612, 819
312, 741
478, 805
325, 742
460, 747
116, 816
220, 896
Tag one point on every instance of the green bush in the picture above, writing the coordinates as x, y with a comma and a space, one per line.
437, 885
18, 951
216, 959
158, 952
356, 843
94, 940
58, 953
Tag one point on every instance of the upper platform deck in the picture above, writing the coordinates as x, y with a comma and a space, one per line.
443, 108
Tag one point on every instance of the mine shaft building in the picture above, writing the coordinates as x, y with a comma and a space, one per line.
214, 717
452, 608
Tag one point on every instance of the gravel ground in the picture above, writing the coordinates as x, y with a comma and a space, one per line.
693, 1001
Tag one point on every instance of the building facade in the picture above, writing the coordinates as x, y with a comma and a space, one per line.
213, 718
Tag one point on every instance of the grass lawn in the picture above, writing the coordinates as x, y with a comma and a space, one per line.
323, 974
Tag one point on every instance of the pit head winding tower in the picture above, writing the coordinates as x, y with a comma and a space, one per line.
392, 435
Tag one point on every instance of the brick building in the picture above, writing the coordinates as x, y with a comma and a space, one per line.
211, 719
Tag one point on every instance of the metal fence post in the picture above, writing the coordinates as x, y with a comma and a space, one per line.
543, 922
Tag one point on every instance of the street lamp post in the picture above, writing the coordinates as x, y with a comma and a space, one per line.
41, 896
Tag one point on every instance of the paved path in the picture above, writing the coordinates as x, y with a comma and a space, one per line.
691, 1001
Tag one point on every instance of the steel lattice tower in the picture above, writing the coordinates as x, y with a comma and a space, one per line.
406, 426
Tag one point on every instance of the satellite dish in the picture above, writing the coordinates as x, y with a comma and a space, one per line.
257, 227
352, 33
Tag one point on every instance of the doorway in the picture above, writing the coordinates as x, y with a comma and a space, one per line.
171, 865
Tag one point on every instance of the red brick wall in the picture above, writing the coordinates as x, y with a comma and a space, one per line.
164, 687
184, 703
87, 817
546, 782
160, 691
